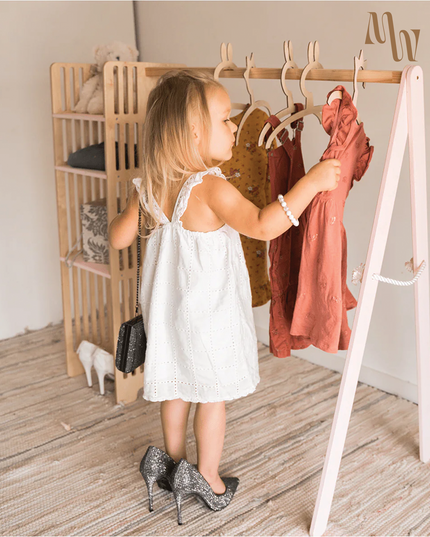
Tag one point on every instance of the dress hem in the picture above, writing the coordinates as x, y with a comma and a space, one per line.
188, 400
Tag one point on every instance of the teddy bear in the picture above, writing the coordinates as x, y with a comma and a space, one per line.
91, 97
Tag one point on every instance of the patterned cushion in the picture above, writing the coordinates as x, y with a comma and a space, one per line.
95, 231
95, 242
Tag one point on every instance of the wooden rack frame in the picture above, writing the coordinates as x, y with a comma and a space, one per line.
408, 121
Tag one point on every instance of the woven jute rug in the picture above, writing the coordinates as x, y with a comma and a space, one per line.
70, 457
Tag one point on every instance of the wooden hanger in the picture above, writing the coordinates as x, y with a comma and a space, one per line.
313, 55
359, 63
250, 63
289, 64
225, 64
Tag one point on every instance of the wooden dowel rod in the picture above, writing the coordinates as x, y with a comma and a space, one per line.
334, 75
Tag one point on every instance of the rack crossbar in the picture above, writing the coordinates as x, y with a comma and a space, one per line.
268, 73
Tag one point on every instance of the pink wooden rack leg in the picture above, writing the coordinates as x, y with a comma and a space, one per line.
417, 170
411, 77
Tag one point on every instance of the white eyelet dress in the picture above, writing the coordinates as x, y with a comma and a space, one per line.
197, 311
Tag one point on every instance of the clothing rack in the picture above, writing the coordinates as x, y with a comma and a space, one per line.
408, 122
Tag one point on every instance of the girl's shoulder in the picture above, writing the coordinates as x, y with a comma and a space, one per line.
208, 183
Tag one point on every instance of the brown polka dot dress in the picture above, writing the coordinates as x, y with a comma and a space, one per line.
247, 171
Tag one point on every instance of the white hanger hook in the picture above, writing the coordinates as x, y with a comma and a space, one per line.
313, 63
289, 64
250, 63
226, 60
359, 63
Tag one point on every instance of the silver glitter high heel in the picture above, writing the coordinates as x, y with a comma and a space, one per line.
186, 479
156, 466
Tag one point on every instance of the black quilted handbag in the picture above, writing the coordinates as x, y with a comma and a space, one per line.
131, 346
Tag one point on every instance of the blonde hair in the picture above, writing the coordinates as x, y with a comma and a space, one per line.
170, 155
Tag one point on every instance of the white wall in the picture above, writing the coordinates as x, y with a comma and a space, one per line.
33, 36
191, 33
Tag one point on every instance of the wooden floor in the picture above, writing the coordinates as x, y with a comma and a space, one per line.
70, 457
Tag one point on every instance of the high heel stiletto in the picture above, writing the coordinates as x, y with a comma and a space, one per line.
85, 352
103, 364
185, 479
156, 466
90, 355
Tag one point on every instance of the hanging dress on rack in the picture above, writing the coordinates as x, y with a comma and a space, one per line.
285, 169
247, 171
323, 298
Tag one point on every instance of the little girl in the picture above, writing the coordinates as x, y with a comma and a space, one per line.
195, 291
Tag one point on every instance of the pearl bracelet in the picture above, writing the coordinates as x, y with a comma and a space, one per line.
287, 210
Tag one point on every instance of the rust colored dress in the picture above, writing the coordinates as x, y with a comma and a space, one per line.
285, 169
247, 171
323, 298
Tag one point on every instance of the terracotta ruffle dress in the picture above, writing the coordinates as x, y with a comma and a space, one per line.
323, 298
247, 171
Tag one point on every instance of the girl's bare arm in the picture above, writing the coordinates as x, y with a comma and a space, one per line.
246, 218
123, 228
268, 223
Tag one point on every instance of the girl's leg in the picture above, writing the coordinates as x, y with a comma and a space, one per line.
209, 429
174, 419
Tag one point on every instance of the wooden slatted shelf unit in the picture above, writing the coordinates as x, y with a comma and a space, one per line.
97, 298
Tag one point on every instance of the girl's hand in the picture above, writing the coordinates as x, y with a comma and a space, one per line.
325, 175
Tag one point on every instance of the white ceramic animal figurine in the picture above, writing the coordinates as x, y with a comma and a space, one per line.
91, 96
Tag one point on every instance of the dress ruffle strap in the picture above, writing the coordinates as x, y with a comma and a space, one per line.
184, 194
137, 181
